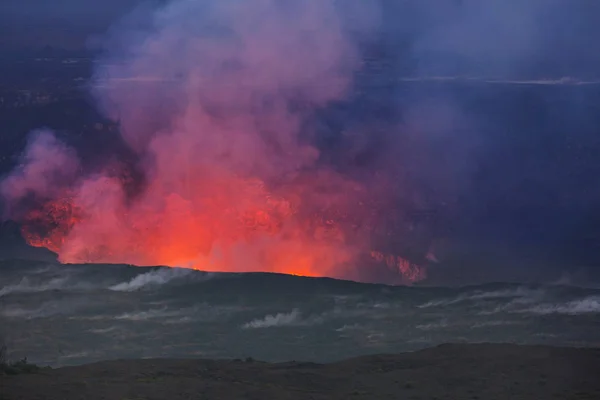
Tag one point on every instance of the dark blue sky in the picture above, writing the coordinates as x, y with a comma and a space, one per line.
60, 23
437, 37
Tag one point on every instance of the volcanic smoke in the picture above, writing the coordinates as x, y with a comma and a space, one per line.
215, 99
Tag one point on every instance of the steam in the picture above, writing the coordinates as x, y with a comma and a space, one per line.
217, 99
243, 60
150, 279
495, 39
25, 286
148, 315
44, 310
588, 305
292, 318
518, 295
46, 166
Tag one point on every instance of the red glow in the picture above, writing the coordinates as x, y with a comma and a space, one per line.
223, 224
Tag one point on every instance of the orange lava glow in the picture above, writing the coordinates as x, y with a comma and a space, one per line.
223, 223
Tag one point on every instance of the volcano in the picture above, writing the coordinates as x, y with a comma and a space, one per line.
229, 172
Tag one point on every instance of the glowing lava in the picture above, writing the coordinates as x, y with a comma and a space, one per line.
225, 224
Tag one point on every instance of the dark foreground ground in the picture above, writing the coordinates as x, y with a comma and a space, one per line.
454, 371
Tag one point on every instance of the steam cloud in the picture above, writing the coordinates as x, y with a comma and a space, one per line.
217, 99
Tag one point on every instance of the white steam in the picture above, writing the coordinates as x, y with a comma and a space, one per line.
153, 278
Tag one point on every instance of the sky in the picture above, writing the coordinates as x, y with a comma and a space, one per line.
435, 37
61, 23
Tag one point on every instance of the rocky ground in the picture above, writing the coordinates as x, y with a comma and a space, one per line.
453, 371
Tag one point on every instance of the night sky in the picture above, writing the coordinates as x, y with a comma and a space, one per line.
536, 38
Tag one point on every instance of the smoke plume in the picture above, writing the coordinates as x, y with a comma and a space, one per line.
217, 99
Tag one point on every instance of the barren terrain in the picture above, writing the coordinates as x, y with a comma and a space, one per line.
453, 371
